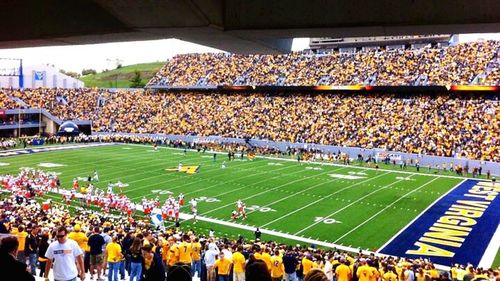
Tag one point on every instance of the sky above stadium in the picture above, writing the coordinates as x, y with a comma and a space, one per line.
106, 56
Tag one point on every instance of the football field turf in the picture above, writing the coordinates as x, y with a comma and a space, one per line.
345, 205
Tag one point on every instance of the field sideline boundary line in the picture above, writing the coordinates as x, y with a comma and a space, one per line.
320, 163
419, 215
385, 208
491, 251
368, 168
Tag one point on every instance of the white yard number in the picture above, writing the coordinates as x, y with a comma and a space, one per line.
327, 221
206, 199
161, 191
260, 209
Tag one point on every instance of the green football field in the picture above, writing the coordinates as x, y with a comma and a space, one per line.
345, 205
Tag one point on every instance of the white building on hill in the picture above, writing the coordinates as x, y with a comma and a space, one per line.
41, 76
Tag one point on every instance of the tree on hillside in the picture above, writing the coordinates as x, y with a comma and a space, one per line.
70, 73
136, 81
88, 71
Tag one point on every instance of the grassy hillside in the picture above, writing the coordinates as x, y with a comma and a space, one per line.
120, 78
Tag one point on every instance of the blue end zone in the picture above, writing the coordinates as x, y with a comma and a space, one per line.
456, 229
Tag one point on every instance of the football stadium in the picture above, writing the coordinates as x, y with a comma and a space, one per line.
355, 159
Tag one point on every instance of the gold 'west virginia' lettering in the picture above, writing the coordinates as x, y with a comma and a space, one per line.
447, 234
428, 250
440, 242
465, 213
457, 220
452, 228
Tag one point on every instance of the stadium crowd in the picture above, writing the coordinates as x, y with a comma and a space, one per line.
454, 65
118, 247
435, 124
6, 102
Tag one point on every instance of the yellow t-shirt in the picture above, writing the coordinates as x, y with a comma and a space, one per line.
364, 273
80, 238
277, 267
173, 256
185, 250
113, 251
307, 265
196, 249
239, 262
223, 266
375, 274
390, 276
343, 272
21, 237
267, 259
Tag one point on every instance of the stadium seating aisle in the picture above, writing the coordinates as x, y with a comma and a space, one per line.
453, 65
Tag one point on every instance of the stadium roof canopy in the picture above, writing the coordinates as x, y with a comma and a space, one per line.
238, 26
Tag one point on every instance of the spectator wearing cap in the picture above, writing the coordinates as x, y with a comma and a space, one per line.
10, 268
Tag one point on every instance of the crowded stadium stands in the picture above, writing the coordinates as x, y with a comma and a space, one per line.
454, 65
36, 225
433, 124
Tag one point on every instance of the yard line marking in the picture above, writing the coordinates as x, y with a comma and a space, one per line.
387, 207
323, 198
421, 214
190, 183
349, 205
244, 186
267, 190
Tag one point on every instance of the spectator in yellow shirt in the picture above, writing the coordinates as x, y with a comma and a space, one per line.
307, 264
364, 272
223, 266
79, 237
277, 267
21, 237
343, 272
239, 265
113, 256
196, 257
